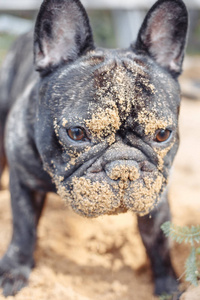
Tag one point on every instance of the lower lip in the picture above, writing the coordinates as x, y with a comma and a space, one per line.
118, 210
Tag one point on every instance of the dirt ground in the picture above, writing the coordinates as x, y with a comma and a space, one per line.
103, 258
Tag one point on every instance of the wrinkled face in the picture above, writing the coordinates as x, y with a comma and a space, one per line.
113, 124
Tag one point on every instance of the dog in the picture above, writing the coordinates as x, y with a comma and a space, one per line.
97, 126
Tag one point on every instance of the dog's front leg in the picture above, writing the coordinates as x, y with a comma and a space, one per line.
157, 247
18, 261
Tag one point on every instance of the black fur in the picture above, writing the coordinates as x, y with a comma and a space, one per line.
175, 26
74, 81
45, 28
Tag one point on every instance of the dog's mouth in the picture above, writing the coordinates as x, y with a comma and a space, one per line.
114, 187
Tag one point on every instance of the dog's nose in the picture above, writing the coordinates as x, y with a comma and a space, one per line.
122, 170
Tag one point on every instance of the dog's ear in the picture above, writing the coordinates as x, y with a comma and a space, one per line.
62, 34
163, 34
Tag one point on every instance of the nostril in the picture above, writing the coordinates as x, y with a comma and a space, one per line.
123, 170
96, 167
146, 166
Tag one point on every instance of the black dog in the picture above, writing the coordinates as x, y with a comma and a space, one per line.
100, 127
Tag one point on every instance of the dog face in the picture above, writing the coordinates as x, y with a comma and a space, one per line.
107, 120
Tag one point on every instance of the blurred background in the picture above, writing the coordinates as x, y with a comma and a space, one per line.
115, 22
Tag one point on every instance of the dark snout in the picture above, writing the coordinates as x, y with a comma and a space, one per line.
122, 170
122, 162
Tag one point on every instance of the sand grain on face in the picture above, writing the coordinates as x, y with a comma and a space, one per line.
161, 153
124, 172
128, 190
64, 122
89, 198
142, 197
105, 123
116, 94
151, 122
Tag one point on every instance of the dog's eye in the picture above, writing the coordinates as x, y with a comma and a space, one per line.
76, 133
162, 135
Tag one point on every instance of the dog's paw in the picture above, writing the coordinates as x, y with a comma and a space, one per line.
13, 277
166, 285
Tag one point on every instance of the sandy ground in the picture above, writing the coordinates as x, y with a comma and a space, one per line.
103, 258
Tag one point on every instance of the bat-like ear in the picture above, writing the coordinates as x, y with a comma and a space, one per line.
62, 34
163, 34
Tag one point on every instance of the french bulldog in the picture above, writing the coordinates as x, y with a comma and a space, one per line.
97, 126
